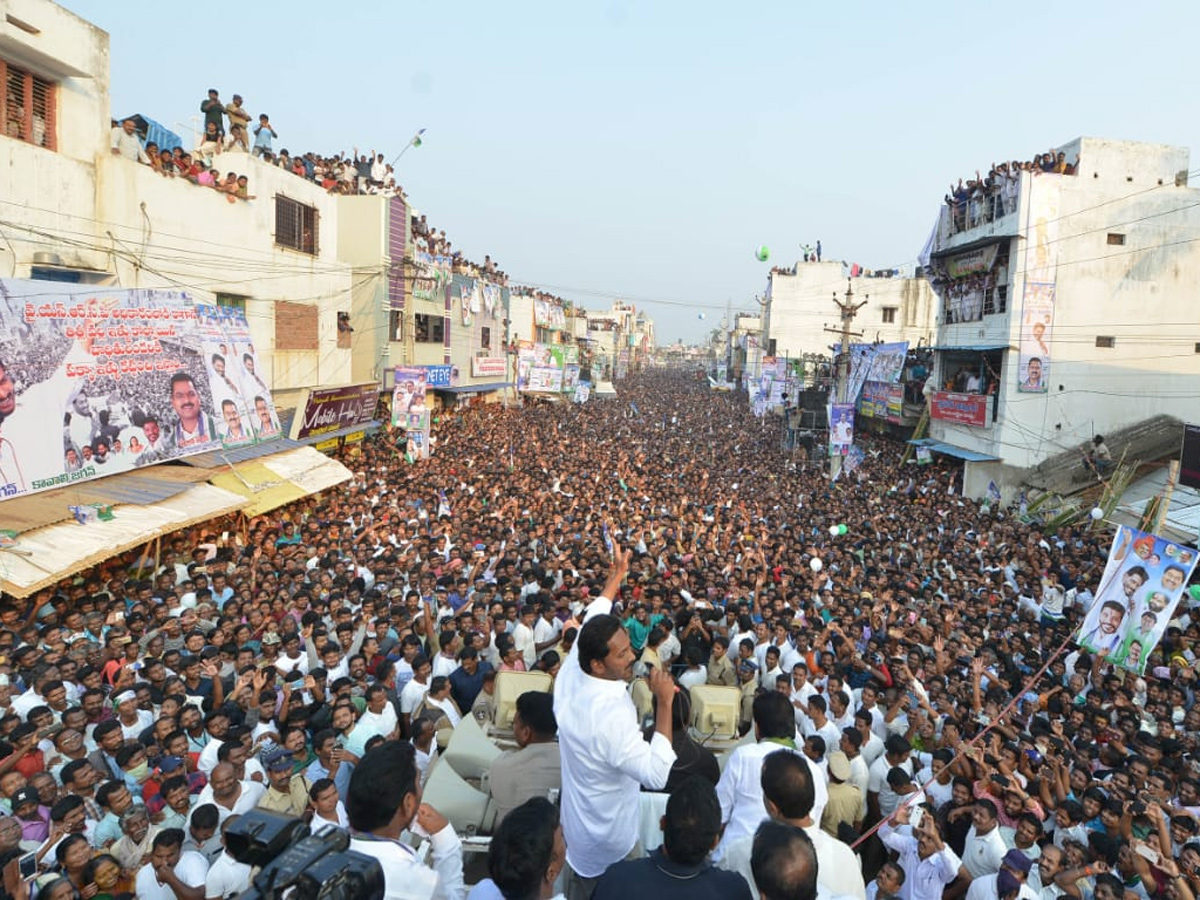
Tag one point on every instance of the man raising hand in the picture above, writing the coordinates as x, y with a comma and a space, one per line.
605, 760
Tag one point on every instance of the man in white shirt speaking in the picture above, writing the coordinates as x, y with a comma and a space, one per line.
605, 760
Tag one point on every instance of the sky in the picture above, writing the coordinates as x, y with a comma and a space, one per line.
643, 150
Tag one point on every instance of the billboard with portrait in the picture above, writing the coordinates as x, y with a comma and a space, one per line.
1143, 581
408, 396
96, 381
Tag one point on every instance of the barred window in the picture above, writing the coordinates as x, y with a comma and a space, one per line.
28, 107
297, 225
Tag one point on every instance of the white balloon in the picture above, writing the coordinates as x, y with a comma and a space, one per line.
1097, 513
833, 531
815, 564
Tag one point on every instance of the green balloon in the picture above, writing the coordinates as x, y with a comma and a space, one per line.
1194, 590
842, 529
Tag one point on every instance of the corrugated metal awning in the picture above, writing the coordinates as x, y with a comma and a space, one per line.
279, 479
978, 348
148, 485
951, 450
466, 388
45, 556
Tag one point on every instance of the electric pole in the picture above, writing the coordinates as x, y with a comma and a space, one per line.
841, 389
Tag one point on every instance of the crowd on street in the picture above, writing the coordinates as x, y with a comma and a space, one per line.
915, 722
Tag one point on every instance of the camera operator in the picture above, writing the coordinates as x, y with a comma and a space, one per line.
385, 799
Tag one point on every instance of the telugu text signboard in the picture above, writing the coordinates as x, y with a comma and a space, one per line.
97, 381
962, 409
488, 367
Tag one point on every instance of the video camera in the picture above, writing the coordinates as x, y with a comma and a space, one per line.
290, 858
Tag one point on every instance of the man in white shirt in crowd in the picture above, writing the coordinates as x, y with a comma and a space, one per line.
547, 631
788, 791
881, 799
226, 876
385, 799
928, 864
740, 788
872, 744
984, 848
414, 692
125, 142
172, 874
860, 775
605, 759
229, 795
802, 692
523, 638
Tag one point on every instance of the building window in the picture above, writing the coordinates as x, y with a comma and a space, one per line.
430, 329
234, 301
1106, 341
296, 225
396, 325
344, 330
1116, 240
889, 315
485, 337
41, 273
28, 106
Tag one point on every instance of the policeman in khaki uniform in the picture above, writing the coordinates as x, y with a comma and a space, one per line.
748, 673
286, 793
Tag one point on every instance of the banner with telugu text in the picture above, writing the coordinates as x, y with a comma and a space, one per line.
97, 381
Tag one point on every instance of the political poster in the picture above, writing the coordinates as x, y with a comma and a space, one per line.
841, 428
97, 381
570, 378
433, 277
243, 405
1037, 330
541, 368
1038, 297
583, 390
886, 363
408, 395
1143, 581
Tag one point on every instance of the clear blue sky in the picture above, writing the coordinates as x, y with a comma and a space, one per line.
643, 149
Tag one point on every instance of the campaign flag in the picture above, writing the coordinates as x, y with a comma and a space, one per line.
1143, 581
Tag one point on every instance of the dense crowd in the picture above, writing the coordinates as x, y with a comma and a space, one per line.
431, 241
917, 725
983, 199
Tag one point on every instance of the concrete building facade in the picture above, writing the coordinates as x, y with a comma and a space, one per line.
74, 211
1066, 310
799, 304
